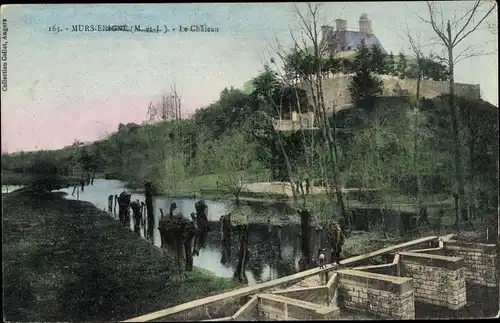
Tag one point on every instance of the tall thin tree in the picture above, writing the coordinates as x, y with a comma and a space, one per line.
451, 34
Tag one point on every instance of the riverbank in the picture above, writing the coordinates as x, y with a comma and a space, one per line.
66, 260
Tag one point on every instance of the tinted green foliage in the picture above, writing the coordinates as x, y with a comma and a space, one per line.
235, 138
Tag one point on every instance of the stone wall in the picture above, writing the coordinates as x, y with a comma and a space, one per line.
336, 88
386, 269
333, 291
219, 309
318, 295
247, 312
379, 295
438, 280
277, 307
479, 261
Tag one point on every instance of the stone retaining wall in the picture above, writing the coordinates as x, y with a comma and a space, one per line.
335, 89
479, 259
438, 280
379, 295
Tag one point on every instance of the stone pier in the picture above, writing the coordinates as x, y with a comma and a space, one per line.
438, 280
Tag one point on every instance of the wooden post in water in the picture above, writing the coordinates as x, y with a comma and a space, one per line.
305, 223
239, 273
280, 257
110, 204
226, 238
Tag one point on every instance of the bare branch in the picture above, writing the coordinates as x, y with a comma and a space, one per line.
457, 40
468, 53
304, 22
432, 22
456, 22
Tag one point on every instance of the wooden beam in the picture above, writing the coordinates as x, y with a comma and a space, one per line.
258, 288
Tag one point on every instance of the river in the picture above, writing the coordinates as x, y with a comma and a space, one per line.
269, 259
270, 256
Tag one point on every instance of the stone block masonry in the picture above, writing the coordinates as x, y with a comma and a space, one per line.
248, 311
318, 295
438, 280
479, 261
380, 295
277, 307
336, 91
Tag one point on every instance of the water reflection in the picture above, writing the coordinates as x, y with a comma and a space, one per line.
274, 250
10, 188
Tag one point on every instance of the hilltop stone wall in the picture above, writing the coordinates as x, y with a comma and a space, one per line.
336, 89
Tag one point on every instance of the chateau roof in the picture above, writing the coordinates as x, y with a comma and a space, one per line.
351, 40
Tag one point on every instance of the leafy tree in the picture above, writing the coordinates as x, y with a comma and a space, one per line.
365, 85
234, 158
363, 59
402, 66
391, 65
433, 70
379, 61
346, 66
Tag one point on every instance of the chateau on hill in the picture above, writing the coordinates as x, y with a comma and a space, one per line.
345, 40
336, 87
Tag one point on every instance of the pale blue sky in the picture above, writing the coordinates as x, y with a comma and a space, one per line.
81, 85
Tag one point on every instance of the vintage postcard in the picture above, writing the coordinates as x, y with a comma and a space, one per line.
250, 161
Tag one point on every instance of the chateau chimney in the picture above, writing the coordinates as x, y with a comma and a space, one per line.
326, 31
365, 25
341, 24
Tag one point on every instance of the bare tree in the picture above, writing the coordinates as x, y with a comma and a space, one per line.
313, 72
451, 34
170, 105
233, 157
417, 50
276, 104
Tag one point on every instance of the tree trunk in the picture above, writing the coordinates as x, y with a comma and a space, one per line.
473, 178
280, 256
239, 273
302, 134
331, 138
416, 138
188, 252
202, 222
459, 173
288, 165
305, 225
178, 252
226, 240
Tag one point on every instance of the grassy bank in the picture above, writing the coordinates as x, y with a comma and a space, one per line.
66, 260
